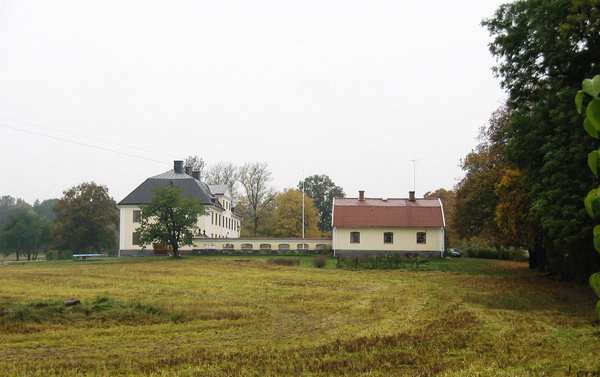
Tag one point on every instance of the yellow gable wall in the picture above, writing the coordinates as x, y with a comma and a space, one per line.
405, 239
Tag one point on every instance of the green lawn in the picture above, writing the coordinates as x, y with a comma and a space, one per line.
241, 316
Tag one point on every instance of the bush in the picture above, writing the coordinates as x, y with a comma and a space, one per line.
383, 262
59, 254
320, 261
510, 253
284, 261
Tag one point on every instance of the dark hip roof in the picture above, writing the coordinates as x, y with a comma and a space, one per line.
189, 187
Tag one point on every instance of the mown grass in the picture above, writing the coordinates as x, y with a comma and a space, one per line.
248, 316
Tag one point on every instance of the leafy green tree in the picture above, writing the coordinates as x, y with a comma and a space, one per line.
169, 219
7, 204
543, 48
287, 216
322, 190
86, 219
591, 90
45, 209
25, 233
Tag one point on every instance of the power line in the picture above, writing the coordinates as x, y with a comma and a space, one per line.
39, 126
99, 147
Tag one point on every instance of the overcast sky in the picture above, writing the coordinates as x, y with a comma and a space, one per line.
352, 89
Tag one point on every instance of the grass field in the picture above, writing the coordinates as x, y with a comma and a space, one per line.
236, 316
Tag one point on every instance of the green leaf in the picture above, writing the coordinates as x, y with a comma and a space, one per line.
596, 85
592, 161
579, 100
597, 238
591, 86
593, 113
589, 202
595, 283
591, 130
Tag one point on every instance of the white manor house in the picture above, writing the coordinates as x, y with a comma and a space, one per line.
218, 221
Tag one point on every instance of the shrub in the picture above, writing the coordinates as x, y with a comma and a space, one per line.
284, 261
510, 253
59, 254
383, 262
320, 261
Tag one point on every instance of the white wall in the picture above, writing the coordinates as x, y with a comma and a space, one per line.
127, 226
405, 239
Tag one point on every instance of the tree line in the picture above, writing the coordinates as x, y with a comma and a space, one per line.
523, 183
84, 219
266, 212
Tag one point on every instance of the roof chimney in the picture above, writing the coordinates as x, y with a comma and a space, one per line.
361, 195
196, 174
411, 196
178, 166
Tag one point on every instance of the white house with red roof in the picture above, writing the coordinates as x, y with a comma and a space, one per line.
375, 226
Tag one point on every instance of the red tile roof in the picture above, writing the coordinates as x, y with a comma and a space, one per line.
374, 212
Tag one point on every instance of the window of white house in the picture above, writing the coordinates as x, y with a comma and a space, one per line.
247, 246
320, 246
388, 237
228, 246
283, 246
422, 237
302, 246
265, 246
137, 215
136, 238
354, 237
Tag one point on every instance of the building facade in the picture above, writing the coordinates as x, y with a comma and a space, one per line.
218, 221
377, 226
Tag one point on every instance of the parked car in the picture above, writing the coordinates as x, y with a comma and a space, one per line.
455, 253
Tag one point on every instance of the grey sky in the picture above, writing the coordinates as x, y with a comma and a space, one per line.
352, 89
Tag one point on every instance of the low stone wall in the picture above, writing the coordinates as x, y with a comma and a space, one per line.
245, 246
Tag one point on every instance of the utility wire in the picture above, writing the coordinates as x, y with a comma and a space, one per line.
66, 140
38, 126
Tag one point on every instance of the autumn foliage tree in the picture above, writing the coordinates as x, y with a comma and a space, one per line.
448, 198
287, 215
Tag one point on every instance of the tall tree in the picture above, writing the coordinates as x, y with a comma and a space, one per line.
257, 194
543, 49
224, 173
7, 204
169, 219
476, 198
86, 219
322, 190
448, 198
25, 233
287, 216
45, 209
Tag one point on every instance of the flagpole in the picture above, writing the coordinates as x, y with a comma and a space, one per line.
302, 209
